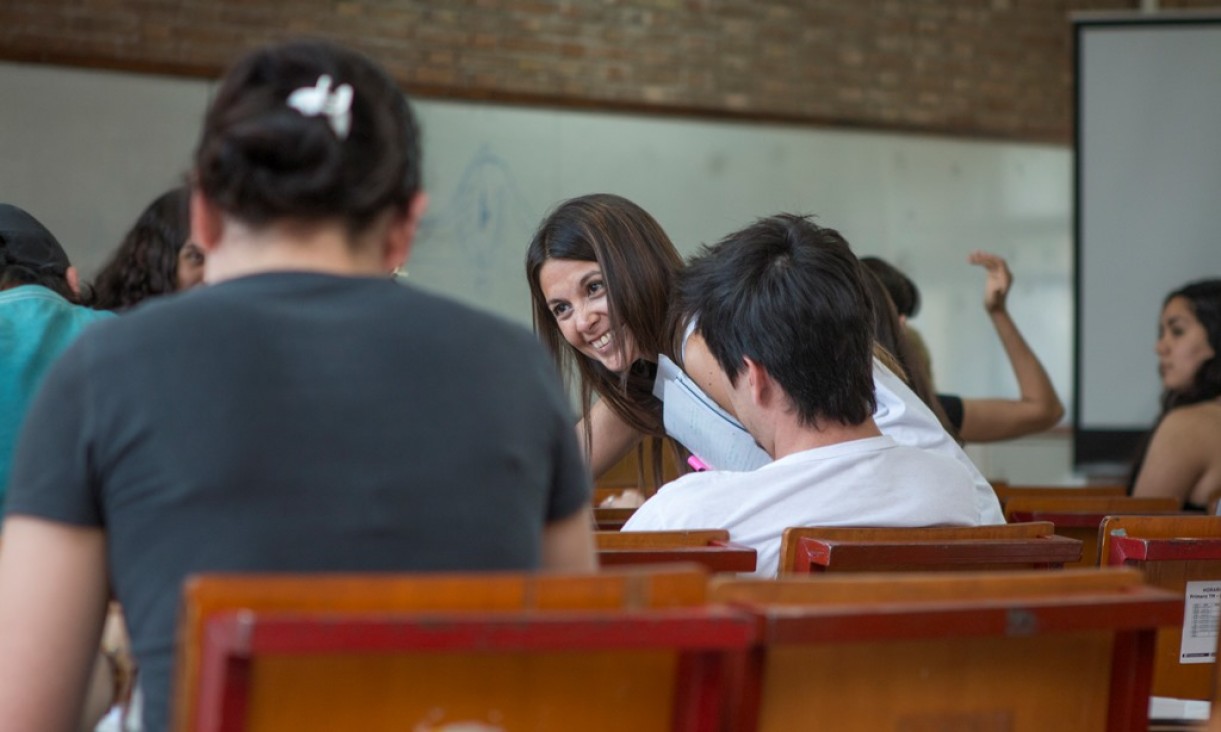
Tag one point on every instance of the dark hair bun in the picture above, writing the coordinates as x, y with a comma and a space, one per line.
261, 159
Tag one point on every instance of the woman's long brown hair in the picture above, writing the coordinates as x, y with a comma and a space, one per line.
639, 267
893, 348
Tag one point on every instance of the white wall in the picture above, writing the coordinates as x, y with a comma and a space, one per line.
86, 150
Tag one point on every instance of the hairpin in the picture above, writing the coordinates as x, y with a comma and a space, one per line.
312, 101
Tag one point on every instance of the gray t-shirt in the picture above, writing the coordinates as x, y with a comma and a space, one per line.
297, 422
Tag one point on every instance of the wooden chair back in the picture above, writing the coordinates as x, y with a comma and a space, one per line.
1031, 651
806, 550
710, 548
481, 652
611, 519
635, 470
1175, 552
1080, 517
1005, 491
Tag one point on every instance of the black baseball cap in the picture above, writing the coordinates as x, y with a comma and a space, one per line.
26, 242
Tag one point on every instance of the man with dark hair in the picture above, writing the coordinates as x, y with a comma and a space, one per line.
784, 313
39, 318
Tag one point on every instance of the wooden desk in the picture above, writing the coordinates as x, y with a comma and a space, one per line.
710, 548
1172, 551
1068, 651
633, 648
850, 549
1005, 491
1080, 518
611, 519
817, 556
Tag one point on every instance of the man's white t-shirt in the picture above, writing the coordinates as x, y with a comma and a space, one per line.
689, 414
868, 482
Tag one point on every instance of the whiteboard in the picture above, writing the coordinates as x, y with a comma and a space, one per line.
85, 150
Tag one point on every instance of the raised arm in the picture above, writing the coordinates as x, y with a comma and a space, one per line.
612, 438
53, 593
1037, 408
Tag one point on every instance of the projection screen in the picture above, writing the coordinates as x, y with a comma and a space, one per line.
1147, 215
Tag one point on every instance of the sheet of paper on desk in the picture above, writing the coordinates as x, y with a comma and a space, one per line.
1165, 707
709, 432
1200, 613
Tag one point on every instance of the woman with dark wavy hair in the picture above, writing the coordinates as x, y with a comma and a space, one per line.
155, 258
1182, 457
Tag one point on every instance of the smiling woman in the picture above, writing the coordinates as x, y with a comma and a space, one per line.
576, 296
1182, 457
601, 271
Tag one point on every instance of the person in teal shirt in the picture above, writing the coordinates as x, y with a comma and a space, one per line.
39, 318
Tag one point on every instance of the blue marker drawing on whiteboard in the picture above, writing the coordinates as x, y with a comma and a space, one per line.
486, 216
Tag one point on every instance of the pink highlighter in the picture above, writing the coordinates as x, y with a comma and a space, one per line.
696, 464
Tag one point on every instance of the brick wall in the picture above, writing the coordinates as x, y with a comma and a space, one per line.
993, 68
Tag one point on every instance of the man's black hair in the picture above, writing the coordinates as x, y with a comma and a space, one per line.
789, 295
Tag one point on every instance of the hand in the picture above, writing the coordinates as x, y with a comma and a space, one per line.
999, 279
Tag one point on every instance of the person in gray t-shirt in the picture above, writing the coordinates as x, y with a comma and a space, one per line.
305, 412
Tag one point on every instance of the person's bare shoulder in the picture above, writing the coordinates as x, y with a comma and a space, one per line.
1202, 415
1193, 425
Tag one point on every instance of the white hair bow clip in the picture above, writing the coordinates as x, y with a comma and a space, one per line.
312, 101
